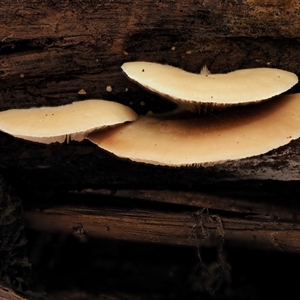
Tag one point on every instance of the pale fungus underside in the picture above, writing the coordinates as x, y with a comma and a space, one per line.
205, 91
232, 134
68, 122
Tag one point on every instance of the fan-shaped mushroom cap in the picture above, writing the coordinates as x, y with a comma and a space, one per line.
232, 134
204, 91
56, 124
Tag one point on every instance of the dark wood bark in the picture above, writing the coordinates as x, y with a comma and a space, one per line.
49, 50
168, 228
195, 220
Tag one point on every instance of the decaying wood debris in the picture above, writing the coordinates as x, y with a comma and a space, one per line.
8, 294
51, 51
204, 220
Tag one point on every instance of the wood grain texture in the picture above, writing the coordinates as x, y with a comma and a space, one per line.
188, 229
49, 50
254, 219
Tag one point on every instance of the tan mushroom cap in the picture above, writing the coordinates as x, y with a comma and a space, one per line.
190, 90
232, 134
57, 124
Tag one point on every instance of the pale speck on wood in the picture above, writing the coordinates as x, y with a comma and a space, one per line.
82, 92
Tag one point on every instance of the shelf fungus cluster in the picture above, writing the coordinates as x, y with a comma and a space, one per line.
249, 126
237, 132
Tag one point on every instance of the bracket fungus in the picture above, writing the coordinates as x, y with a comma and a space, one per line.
67, 122
236, 133
205, 91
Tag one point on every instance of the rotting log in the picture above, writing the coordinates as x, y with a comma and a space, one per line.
174, 217
183, 228
49, 50
253, 207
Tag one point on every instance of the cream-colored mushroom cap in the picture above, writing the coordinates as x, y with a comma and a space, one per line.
68, 122
191, 90
232, 134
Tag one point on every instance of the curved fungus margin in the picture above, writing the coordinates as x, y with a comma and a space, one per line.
232, 134
205, 91
63, 123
